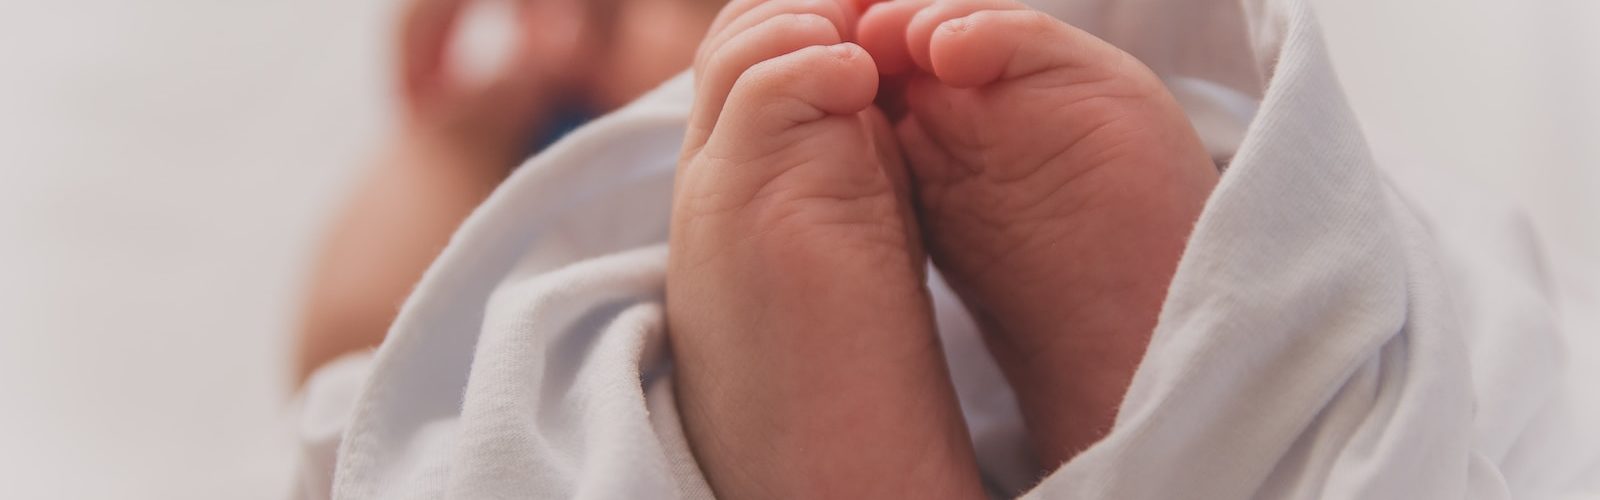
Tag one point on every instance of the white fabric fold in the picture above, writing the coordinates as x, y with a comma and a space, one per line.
1334, 331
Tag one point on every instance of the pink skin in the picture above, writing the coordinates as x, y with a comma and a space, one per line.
807, 363
1056, 182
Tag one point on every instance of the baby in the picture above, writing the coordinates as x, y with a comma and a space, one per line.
1049, 175
834, 146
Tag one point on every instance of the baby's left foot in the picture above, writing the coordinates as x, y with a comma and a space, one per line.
807, 365
1057, 182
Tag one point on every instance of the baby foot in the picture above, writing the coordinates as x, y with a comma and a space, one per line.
806, 360
1057, 182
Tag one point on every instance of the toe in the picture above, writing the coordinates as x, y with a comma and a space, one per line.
797, 109
994, 45
970, 43
777, 36
920, 28
741, 15
793, 89
882, 31
748, 32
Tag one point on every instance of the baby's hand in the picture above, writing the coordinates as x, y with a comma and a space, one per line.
493, 120
1057, 181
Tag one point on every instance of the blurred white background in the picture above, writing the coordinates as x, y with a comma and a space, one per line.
165, 165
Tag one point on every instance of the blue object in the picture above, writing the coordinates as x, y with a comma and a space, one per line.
567, 116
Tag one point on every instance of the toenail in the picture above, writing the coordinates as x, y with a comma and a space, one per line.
956, 25
843, 51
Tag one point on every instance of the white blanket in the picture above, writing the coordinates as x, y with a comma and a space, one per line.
1332, 332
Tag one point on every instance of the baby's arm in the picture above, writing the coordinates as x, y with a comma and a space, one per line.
401, 215
457, 141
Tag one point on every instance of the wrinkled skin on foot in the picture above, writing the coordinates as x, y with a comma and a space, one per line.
1057, 181
807, 365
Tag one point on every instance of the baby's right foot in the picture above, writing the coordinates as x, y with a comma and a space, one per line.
806, 360
1057, 182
